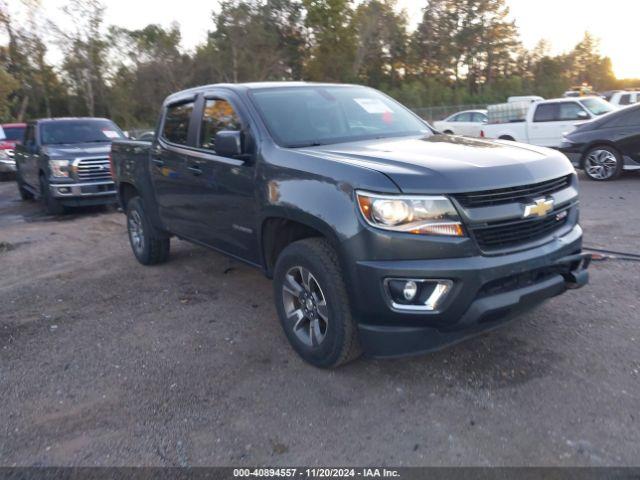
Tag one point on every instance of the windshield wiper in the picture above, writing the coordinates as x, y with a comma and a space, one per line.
302, 145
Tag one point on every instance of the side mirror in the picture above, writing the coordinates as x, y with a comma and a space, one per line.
228, 143
583, 115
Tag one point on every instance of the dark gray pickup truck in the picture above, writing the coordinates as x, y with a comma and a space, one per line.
381, 234
64, 162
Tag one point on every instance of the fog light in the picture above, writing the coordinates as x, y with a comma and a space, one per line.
410, 290
64, 190
417, 294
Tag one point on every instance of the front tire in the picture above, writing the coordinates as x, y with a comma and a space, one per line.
150, 246
24, 193
51, 204
313, 305
603, 163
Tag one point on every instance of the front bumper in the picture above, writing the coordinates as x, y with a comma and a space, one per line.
7, 166
90, 193
487, 292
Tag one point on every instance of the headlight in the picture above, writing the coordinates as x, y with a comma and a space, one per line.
420, 215
4, 155
59, 168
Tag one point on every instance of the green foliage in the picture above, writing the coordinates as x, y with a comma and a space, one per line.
8, 85
462, 52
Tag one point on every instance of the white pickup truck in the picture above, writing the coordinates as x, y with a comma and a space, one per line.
541, 123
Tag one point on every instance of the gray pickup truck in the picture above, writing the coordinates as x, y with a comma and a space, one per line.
380, 234
65, 162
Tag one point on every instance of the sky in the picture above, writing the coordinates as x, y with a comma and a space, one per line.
561, 22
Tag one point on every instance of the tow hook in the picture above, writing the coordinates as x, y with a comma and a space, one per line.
578, 276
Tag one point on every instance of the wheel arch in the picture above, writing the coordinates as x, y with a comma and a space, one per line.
278, 229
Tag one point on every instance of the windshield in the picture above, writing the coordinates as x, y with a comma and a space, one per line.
78, 131
597, 106
14, 134
305, 116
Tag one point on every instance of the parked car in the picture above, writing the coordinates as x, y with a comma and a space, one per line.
467, 123
624, 98
605, 147
524, 98
147, 136
13, 134
379, 233
65, 162
541, 123
7, 164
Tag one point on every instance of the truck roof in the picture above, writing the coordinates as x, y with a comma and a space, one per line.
61, 119
252, 86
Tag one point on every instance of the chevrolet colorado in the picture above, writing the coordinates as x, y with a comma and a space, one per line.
380, 235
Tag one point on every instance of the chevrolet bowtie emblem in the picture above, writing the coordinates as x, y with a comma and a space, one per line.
540, 208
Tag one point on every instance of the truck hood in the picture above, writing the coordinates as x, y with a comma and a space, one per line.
450, 164
66, 151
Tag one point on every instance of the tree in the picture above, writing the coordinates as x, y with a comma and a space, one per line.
8, 85
331, 40
85, 49
380, 55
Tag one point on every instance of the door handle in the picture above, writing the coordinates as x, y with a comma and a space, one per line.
158, 161
196, 170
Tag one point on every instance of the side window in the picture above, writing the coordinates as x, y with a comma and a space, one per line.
176, 123
218, 115
547, 112
479, 117
464, 117
625, 99
29, 136
631, 119
571, 111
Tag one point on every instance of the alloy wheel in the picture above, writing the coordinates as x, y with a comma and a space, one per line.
601, 164
305, 306
136, 231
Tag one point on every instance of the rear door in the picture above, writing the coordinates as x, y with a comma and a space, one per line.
225, 194
171, 180
551, 120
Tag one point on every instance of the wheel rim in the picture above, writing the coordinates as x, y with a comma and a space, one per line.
601, 164
305, 306
136, 231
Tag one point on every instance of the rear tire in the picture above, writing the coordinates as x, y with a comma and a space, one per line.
150, 246
507, 138
313, 305
602, 163
51, 204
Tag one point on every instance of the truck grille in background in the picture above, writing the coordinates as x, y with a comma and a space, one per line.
93, 169
520, 194
499, 235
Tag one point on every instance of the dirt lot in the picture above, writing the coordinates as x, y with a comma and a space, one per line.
106, 362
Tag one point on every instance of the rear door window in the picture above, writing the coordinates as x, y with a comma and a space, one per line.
176, 123
625, 99
217, 115
547, 112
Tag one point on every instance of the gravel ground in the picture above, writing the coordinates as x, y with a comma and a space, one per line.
106, 362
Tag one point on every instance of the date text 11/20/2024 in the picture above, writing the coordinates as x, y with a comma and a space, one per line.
316, 472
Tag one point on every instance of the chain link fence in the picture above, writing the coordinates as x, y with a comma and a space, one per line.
431, 114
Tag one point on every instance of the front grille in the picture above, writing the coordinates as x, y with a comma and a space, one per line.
520, 194
506, 234
93, 169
